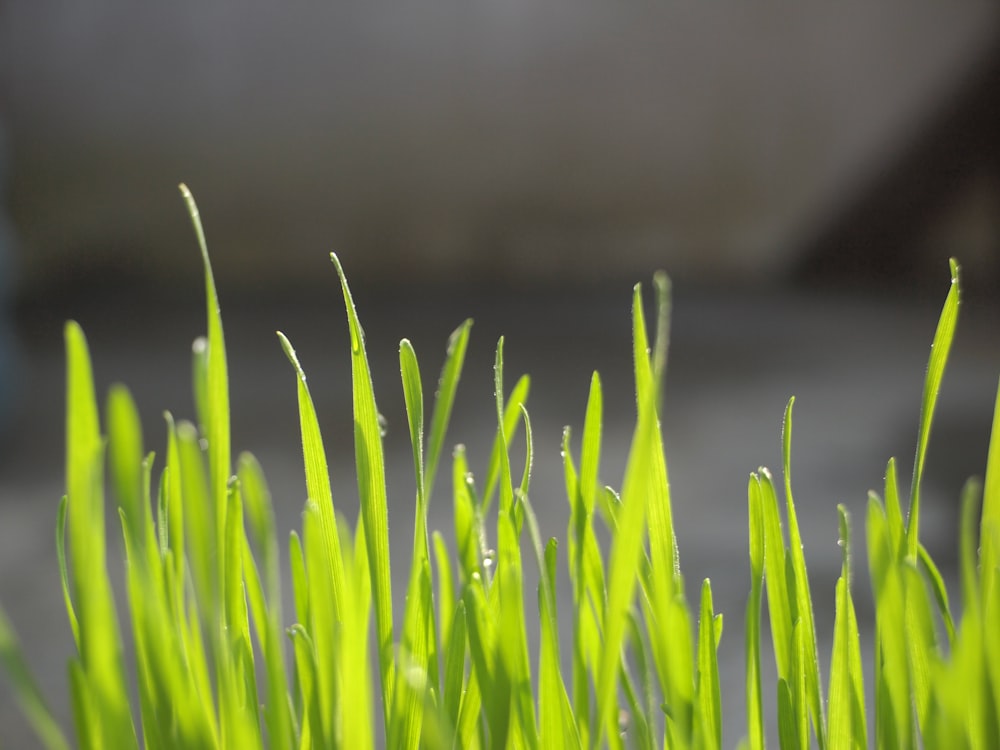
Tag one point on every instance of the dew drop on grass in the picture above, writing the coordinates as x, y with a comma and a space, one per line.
489, 558
383, 425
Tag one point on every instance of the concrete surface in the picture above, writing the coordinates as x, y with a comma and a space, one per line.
855, 364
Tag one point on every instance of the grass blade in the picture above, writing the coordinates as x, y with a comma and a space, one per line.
940, 348
371, 487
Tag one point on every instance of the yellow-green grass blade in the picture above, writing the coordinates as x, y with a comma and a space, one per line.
802, 598
490, 672
311, 728
64, 571
512, 637
237, 683
469, 534
921, 640
352, 666
779, 606
173, 528
586, 642
26, 689
454, 664
847, 713
413, 680
708, 699
893, 511
663, 552
200, 521
557, 725
444, 400
102, 672
216, 417
936, 582
421, 646
755, 705
989, 541
445, 590
932, 384
318, 480
268, 611
511, 420
626, 553
893, 715
371, 488
323, 617
143, 597
125, 457
799, 686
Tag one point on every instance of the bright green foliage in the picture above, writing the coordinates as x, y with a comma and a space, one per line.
218, 664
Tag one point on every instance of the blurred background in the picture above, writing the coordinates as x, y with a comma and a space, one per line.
803, 173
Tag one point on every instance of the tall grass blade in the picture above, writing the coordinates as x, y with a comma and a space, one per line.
940, 348
371, 487
444, 400
803, 598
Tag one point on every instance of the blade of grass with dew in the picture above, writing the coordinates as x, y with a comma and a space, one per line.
466, 518
932, 384
511, 421
708, 696
26, 690
416, 646
512, 642
371, 488
755, 707
893, 716
101, 671
444, 400
216, 386
317, 474
322, 542
803, 597
259, 513
847, 713
586, 565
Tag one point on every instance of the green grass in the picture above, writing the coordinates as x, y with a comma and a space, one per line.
219, 664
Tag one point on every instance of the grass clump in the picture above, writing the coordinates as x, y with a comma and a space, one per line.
217, 664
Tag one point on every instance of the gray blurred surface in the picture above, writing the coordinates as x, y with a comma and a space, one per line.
559, 140
855, 364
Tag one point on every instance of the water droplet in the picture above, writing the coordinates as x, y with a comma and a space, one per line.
489, 558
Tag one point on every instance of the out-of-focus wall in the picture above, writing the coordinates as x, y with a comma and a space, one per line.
462, 139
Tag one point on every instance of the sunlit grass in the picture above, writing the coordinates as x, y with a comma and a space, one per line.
219, 664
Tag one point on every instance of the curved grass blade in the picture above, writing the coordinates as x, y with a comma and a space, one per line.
317, 473
932, 384
989, 540
371, 488
803, 597
451, 372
